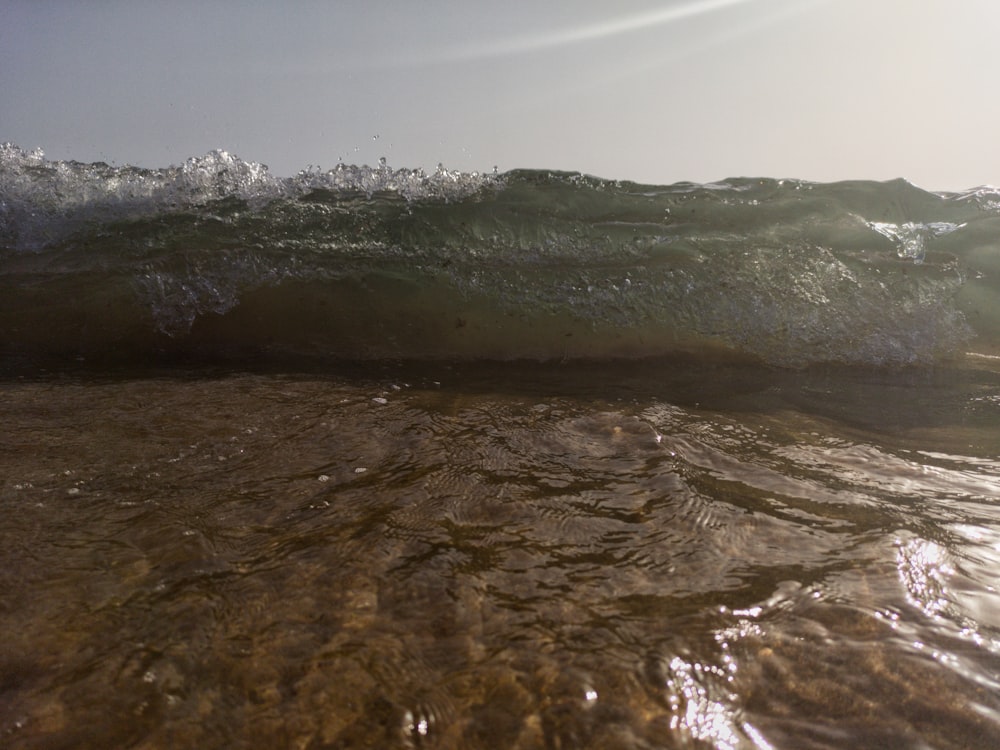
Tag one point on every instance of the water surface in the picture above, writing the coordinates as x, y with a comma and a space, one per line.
611, 555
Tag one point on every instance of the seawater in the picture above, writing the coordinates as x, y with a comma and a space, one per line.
217, 257
521, 556
735, 508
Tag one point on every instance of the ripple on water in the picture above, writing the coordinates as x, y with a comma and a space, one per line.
510, 571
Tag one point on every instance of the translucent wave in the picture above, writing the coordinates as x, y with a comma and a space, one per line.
375, 262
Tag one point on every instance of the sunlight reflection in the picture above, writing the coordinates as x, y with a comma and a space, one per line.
514, 44
923, 568
603, 30
696, 711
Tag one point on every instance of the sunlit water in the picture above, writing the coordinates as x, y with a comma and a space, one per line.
623, 556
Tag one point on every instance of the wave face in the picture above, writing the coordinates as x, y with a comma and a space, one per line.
220, 257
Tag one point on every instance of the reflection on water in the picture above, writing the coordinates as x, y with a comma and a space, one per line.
508, 558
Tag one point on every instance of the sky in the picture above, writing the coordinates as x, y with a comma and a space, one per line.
656, 92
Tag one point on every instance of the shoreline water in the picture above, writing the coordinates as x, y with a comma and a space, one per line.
353, 459
473, 555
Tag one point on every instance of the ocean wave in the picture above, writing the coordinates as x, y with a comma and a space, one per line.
217, 256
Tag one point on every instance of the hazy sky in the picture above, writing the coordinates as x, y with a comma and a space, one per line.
651, 91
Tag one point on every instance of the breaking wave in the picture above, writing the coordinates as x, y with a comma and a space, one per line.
217, 256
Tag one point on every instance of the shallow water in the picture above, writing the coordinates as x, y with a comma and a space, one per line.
643, 555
